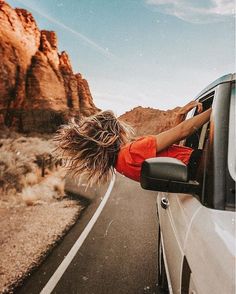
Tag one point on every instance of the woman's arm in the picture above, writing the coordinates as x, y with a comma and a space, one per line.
181, 131
182, 112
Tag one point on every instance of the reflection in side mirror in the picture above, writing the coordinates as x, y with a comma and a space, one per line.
167, 174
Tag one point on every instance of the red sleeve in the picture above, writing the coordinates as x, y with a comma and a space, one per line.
142, 149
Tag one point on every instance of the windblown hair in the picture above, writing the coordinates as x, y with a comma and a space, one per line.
91, 145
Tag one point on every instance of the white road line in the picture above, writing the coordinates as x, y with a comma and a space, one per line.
51, 284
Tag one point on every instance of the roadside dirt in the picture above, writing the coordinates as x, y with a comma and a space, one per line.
34, 210
26, 235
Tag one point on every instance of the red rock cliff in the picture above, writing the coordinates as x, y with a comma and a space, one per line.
38, 89
150, 121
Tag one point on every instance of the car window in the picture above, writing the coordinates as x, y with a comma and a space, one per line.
199, 140
196, 140
216, 174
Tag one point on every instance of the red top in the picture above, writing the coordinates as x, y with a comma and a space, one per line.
132, 155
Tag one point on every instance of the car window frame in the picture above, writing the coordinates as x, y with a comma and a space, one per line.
231, 160
215, 188
232, 137
209, 196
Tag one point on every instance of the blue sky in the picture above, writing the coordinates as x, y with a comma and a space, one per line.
157, 53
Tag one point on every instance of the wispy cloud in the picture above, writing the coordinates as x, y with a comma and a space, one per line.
104, 51
196, 11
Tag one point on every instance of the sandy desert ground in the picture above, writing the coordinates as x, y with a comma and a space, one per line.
34, 210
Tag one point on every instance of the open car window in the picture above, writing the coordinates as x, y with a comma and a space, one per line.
216, 170
198, 139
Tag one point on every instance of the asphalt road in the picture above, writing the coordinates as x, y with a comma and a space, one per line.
119, 254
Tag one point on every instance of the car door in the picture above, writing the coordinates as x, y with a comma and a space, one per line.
210, 242
198, 230
176, 219
174, 223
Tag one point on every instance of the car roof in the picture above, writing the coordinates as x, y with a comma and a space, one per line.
221, 80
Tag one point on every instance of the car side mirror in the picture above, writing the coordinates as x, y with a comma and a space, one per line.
167, 174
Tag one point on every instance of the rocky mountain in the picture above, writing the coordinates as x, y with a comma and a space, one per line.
38, 89
150, 121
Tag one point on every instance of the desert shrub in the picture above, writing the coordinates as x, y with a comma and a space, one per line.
58, 186
12, 170
21, 166
11, 179
31, 179
30, 195
45, 191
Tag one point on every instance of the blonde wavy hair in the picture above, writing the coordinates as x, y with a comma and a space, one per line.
90, 145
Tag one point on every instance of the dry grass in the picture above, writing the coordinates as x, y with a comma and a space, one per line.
46, 191
21, 178
30, 179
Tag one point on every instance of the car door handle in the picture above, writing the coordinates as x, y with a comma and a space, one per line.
164, 202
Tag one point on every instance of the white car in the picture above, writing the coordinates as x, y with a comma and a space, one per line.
196, 250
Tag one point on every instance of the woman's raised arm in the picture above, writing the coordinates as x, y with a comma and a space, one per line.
182, 130
182, 112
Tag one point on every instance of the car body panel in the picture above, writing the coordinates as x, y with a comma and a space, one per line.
202, 236
210, 250
175, 222
170, 241
166, 268
205, 250
192, 286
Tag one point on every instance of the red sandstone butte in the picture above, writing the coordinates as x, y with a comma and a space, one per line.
38, 89
150, 121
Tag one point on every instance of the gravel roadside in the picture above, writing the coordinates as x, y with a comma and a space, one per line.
28, 233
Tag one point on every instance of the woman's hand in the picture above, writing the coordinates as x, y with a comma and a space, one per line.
185, 109
181, 113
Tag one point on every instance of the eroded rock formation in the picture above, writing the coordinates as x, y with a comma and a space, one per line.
38, 89
150, 121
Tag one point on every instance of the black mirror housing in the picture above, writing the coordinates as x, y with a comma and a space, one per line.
167, 174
